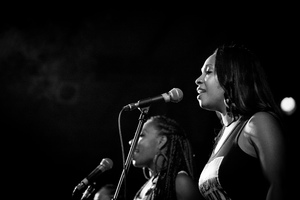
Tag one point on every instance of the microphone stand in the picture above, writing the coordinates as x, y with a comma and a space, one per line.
142, 118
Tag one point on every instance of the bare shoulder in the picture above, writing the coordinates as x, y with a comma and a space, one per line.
183, 179
262, 122
263, 136
263, 117
186, 187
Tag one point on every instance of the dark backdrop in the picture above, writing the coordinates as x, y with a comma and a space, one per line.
66, 74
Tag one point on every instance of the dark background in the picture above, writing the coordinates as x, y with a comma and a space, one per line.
67, 73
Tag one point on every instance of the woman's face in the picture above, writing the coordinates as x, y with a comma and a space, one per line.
210, 93
147, 146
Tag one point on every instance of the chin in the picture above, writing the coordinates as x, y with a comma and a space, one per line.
200, 103
204, 105
135, 163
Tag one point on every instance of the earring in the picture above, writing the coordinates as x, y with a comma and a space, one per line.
145, 175
155, 160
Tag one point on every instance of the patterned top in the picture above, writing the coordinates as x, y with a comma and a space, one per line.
147, 190
230, 173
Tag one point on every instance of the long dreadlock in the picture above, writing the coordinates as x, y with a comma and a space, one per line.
179, 154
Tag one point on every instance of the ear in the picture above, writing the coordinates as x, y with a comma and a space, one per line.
162, 142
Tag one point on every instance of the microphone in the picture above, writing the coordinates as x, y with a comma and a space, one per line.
87, 193
175, 95
105, 165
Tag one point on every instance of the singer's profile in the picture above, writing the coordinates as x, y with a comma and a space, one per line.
163, 151
248, 155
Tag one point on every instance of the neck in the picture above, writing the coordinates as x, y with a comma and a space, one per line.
227, 120
152, 172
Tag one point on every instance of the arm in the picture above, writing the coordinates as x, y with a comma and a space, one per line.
267, 138
186, 188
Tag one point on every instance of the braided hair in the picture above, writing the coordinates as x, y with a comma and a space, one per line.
179, 157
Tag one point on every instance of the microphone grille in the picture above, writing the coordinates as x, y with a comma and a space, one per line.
176, 95
106, 163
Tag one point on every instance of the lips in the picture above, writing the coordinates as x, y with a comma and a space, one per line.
200, 90
136, 151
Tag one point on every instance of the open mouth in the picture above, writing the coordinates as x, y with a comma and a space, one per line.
200, 90
136, 151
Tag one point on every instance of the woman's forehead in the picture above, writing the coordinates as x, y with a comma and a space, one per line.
149, 125
210, 61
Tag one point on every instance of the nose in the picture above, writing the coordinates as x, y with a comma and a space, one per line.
199, 80
130, 142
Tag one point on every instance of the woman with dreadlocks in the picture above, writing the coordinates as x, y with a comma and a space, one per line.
165, 151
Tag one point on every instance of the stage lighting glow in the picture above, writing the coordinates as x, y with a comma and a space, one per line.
288, 105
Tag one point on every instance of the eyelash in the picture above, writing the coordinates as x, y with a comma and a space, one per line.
208, 72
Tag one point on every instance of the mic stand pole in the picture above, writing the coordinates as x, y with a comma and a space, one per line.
142, 118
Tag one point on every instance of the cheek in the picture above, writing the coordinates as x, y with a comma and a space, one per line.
218, 93
214, 96
214, 88
215, 85
147, 146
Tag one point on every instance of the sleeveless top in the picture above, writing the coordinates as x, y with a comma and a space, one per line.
147, 190
230, 173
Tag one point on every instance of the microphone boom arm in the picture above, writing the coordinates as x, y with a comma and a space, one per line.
142, 118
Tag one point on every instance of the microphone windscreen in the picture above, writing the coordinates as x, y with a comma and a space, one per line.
176, 95
106, 163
